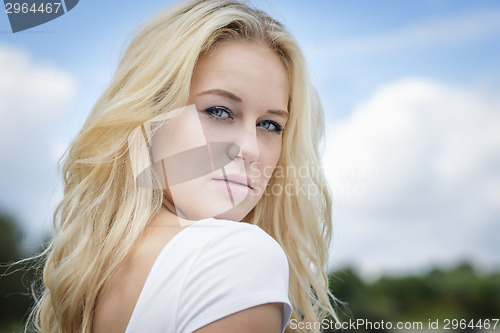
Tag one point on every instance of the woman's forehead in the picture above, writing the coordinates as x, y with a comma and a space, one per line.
247, 69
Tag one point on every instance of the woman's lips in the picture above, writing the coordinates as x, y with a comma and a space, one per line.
235, 184
237, 179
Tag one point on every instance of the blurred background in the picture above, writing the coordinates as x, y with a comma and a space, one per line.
411, 93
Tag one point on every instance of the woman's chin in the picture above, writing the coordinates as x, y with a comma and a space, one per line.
217, 210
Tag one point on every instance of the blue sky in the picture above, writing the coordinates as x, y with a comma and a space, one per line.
410, 91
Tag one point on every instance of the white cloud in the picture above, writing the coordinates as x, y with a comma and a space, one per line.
442, 32
34, 98
31, 95
415, 177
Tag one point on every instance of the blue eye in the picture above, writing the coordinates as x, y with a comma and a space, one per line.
219, 113
271, 126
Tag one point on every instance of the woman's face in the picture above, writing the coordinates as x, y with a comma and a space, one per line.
239, 99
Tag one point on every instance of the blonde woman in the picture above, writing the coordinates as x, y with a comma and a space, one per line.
194, 199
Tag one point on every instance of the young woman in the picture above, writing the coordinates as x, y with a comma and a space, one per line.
194, 198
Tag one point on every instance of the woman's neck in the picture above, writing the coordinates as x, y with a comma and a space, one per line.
170, 216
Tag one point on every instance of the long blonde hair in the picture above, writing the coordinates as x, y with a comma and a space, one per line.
103, 212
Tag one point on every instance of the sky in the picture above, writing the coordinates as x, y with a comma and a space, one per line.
411, 95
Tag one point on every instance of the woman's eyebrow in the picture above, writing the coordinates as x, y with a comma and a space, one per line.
281, 113
221, 93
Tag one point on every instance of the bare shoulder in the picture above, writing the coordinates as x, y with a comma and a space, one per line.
117, 299
265, 318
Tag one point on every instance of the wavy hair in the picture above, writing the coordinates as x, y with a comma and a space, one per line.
103, 212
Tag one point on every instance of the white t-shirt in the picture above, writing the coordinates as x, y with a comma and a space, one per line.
209, 270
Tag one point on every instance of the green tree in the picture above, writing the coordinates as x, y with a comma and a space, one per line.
460, 293
15, 279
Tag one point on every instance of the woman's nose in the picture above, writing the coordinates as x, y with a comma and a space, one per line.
248, 144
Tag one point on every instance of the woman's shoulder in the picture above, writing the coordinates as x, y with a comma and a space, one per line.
217, 250
214, 236
215, 243
233, 251
212, 269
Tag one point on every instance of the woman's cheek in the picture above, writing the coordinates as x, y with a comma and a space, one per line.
216, 131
